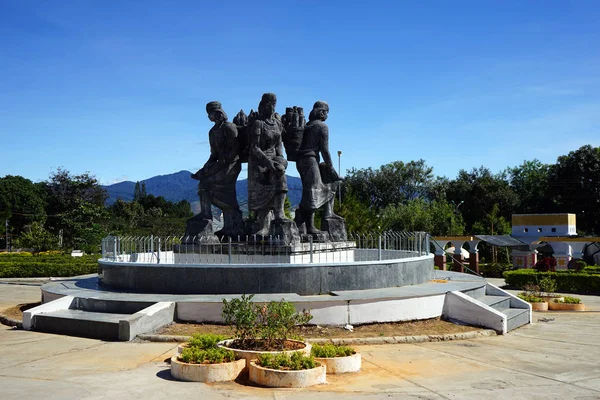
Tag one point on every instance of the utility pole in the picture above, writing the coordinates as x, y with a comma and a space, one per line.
340, 174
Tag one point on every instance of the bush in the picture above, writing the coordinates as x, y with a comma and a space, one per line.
18, 265
566, 282
494, 270
546, 264
568, 300
283, 361
195, 355
205, 341
272, 322
530, 298
576, 265
547, 285
330, 350
592, 269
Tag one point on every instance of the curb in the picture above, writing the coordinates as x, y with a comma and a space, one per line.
357, 341
4, 320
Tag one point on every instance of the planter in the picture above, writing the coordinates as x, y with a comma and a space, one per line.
550, 299
341, 365
566, 307
539, 306
286, 379
249, 355
181, 347
206, 372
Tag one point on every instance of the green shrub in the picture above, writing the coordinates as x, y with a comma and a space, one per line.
576, 265
494, 270
195, 355
242, 315
530, 298
569, 300
283, 361
591, 269
566, 282
205, 341
330, 350
547, 285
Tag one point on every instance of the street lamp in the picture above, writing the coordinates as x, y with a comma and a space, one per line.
340, 174
455, 213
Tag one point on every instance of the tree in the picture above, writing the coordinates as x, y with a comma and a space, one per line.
76, 204
574, 184
137, 193
480, 190
530, 181
391, 184
435, 217
21, 201
37, 238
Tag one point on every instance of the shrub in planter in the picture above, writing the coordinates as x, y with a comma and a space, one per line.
570, 300
282, 361
567, 304
530, 298
284, 370
210, 364
194, 355
201, 341
337, 359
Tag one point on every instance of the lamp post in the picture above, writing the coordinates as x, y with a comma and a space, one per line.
455, 213
340, 174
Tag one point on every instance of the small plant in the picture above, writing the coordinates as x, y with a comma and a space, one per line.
216, 355
205, 341
532, 289
283, 361
568, 300
242, 315
330, 350
530, 298
548, 285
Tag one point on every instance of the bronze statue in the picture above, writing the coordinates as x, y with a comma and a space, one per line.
219, 174
267, 184
318, 179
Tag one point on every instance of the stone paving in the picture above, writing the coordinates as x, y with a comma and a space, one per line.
557, 359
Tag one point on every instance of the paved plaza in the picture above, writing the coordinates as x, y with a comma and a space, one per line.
557, 359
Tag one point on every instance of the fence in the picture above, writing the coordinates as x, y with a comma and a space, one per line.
252, 250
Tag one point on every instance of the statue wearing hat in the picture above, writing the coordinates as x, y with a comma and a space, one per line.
319, 179
218, 176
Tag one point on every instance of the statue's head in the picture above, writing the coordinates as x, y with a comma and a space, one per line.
215, 112
320, 111
266, 108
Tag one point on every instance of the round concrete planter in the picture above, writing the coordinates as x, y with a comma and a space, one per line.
543, 306
341, 365
286, 379
566, 307
206, 372
249, 355
181, 347
550, 299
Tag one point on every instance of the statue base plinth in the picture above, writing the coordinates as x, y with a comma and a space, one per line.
336, 227
284, 231
199, 231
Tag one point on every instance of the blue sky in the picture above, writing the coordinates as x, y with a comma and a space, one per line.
118, 88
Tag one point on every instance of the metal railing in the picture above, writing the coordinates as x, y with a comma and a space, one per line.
253, 250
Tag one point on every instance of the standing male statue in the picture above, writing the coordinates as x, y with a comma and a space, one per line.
218, 177
318, 179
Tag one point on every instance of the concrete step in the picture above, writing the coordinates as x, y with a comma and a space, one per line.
80, 323
496, 302
477, 292
515, 317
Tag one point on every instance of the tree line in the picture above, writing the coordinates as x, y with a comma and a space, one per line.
68, 211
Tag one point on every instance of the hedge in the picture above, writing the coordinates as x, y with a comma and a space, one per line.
18, 266
566, 281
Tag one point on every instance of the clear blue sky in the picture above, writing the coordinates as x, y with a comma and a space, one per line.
118, 88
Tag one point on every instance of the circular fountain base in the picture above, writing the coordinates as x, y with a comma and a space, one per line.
302, 279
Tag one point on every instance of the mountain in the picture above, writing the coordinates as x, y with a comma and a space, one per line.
180, 186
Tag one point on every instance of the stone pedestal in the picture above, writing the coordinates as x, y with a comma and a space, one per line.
199, 230
284, 231
336, 227
474, 261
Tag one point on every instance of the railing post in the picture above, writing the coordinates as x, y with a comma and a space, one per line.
229, 250
379, 248
310, 248
420, 243
158, 257
114, 248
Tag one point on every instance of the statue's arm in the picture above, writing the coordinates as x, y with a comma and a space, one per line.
324, 145
233, 145
255, 149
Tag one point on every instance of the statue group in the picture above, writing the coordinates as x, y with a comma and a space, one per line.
259, 139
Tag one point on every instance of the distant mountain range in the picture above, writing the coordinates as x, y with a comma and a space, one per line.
180, 186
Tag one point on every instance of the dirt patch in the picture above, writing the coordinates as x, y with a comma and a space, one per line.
434, 326
16, 312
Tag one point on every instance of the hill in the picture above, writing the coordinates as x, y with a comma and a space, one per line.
180, 186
